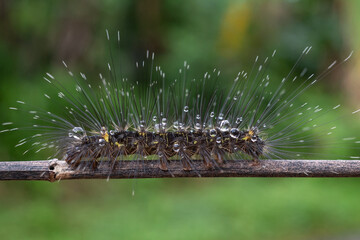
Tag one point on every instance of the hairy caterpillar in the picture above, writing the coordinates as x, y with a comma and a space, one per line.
181, 118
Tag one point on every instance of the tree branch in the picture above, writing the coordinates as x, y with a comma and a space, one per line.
53, 170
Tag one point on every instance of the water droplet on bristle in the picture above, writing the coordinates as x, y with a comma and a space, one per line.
101, 142
176, 147
221, 117
77, 133
238, 120
234, 133
224, 126
212, 132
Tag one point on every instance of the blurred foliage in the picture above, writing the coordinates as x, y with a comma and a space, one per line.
35, 36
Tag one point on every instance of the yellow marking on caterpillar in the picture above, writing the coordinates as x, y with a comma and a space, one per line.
195, 142
106, 137
246, 138
119, 145
249, 135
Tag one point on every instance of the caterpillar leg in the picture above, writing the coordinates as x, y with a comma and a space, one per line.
255, 161
219, 158
186, 164
73, 162
163, 163
206, 157
94, 164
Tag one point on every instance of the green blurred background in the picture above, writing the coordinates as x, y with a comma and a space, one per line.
35, 36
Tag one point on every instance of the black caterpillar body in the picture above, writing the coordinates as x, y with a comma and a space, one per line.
211, 145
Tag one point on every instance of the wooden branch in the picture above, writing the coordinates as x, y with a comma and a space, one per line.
53, 170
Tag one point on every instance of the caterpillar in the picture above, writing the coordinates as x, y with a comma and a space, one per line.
181, 118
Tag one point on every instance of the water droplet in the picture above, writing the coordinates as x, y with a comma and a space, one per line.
212, 114
103, 131
61, 95
142, 124
78, 130
186, 109
221, 117
164, 122
101, 142
224, 126
239, 120
218, 140
176, 147
154, 118
176, 125
234, 133
254, 139
212, 132
197, 126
